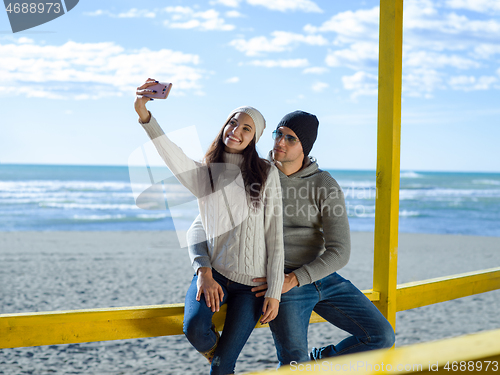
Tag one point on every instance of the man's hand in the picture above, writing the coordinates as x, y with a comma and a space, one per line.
261, 288
210, 288
290, 282
269, 310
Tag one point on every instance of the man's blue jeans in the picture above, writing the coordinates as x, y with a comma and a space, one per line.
243, 313
338, 302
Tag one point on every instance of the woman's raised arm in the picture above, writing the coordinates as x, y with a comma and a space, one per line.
191, 174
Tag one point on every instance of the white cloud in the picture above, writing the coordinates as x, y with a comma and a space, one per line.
482, 6
98, 12
281, 41
234, 14
292, 63
320, 86
278, 5
486, 50
180, 17
422, 17
438, 40
459, 24
471, 83
179, 10
432, 32
132, 13
135, 13
187, 18
438, 60
440, 37
315, 70
232, 80
288, 5
422, 82
420, 14
351, 26
228, 3
24, 40
361, 83
358, 55
91, 70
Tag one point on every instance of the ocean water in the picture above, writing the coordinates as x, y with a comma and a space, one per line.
100, 198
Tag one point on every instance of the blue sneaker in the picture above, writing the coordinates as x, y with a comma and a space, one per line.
315, 354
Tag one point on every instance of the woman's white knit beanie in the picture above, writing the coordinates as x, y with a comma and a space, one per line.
258, 119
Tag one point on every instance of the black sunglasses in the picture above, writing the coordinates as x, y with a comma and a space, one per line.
289, 139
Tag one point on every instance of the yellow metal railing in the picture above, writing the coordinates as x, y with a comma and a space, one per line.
64, 327
428, 292
68, 327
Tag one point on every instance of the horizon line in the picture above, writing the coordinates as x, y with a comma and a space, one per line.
325, 168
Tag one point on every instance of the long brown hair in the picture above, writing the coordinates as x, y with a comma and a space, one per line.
254, 169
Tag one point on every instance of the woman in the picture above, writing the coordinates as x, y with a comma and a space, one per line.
239, 198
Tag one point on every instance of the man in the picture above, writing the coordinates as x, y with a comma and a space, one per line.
317, 244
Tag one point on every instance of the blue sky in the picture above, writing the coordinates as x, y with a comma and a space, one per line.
67, 87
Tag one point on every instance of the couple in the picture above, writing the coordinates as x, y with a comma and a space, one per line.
269, 238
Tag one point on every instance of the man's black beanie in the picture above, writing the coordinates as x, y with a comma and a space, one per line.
305, 125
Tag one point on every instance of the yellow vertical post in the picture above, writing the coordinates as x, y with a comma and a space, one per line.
388, 155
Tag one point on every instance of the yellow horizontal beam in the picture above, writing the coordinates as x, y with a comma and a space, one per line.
427, 292
65, 327
68, 327
446, 356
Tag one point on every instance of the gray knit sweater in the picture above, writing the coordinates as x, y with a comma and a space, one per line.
240, 242
316, 230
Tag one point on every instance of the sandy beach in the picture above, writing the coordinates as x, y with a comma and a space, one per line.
46, 271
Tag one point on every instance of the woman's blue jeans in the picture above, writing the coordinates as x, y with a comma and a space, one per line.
243, 313
338, 302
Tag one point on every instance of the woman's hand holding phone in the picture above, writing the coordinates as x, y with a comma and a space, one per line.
146, 92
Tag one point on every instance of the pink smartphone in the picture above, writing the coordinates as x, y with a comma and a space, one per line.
162, 90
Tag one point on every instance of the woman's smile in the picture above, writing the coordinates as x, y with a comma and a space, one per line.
233, 139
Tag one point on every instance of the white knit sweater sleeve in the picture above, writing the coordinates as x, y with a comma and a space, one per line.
273, 231
191, 174
197, 245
